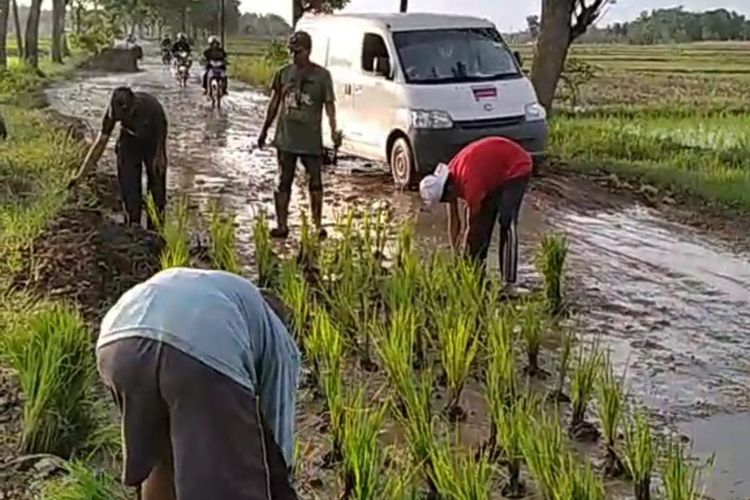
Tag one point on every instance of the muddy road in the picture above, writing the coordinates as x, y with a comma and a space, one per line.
672, 303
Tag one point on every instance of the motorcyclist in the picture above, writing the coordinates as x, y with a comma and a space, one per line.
214, 53
181, 45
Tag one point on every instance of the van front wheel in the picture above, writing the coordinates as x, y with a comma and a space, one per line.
402, 164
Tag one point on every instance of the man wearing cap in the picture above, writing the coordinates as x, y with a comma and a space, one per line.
299, 93
491, 176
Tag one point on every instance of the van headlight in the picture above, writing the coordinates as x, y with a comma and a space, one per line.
420, 118
534, 112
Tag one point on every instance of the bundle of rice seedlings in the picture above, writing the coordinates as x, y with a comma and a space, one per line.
510, 422
567, 340
680, 478
295, 292
611, 392
265, 258
533, 321
640, 454
583, 385
174, 230
544, 446
550, 262
84, 483
578, 481
363, 455
55, 364
459, 475
223, 242
458, 348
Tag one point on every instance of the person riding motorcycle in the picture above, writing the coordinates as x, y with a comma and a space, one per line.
166, 48
214, 53
181, 45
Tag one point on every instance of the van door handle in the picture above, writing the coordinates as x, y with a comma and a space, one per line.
347, 89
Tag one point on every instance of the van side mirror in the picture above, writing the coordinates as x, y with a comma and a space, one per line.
382, 66
519, 57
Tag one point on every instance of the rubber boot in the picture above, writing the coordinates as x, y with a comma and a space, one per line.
316, 208
281, 203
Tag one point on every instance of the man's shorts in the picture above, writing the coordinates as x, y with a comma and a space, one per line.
171, 402
288, 167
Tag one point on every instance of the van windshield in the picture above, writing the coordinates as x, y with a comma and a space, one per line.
454, 55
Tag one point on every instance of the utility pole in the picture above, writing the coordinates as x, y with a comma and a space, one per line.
223, 17
404, 6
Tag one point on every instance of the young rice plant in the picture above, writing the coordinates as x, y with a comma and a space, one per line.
223, 243
533, 321
583, 385
458, 348
567, 340
680, 478
174, 230
610, 389
510, 422
551, 265
295, 292
265, 258
82, 482
640, 454
544, 445
459, 475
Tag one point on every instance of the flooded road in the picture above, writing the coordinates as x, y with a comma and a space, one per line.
672, 304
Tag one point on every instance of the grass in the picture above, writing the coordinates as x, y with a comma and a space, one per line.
543, 444
567, 340
295, 292
680, 478
533, 322
174, 230
253, 70
510, 421
223, 242
458, 348
84, 483
265, 258
578, 481
640, 454
611, 393
395, 346
458, 474
550, 259
55, 364
583, 386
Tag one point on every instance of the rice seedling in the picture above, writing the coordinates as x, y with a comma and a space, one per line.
680, 478
578, 481
327, 353
417, 421
567, 340
395, 347
509, 420
174, 230
458, 348
544, 445
533, 327
309, 246
459, 475
84, 483
583, 386
550, 263
265, 258
53, 358
295, 292
500, 372
363, 456
610, 389
335, 395
223, 243
640, 454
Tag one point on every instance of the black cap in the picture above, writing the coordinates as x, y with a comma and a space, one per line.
300, 40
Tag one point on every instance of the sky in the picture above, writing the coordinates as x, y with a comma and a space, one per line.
508, 15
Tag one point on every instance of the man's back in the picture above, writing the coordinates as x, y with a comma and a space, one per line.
217, 317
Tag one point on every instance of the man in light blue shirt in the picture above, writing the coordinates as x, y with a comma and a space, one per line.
205, 373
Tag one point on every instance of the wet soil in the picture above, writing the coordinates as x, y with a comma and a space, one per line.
670, 299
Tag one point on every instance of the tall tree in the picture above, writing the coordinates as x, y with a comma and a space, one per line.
17, 25
31, 45
301, 7
562, 22
4, 8
58, 27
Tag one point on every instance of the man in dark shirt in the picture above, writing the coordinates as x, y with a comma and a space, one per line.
300, 91
214, 53
143, 137
181, 45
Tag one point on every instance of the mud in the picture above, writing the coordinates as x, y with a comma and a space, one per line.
670, 299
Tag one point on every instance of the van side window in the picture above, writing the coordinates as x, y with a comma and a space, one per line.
373, 47
339, 55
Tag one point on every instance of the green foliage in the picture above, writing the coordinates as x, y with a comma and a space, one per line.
544, 447
583, 384
550, 262
265, 258
84, 483
611, 391
223, 242
458, 474
174, 230
680, 477
55, 364
640, 454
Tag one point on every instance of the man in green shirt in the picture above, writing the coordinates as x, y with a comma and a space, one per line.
300, 91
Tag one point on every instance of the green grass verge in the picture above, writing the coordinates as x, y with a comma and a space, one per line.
704, 156
84, 483
253, 70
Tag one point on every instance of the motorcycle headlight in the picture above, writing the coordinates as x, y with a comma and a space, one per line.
430, 119
535, 111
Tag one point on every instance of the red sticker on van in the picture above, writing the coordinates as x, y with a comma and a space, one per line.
484, 93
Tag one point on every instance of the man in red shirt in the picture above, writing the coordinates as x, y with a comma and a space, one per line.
491, 176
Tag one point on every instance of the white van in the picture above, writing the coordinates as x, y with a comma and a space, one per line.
413, 89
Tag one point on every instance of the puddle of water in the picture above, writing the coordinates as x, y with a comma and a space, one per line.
727, 437
671, 304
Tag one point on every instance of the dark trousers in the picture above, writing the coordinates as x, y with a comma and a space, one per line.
288, 167
503, 207
132, 155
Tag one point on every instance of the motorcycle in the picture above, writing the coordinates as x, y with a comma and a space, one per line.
181, 68
217, 76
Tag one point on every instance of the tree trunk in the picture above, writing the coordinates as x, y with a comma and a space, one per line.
551, 49
58, 14
404, 6
297, 11
4, 8
31, 46
17, 25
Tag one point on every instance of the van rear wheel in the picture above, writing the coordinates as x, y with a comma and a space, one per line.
402, 164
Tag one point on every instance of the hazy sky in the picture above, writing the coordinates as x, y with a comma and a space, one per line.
509, 15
